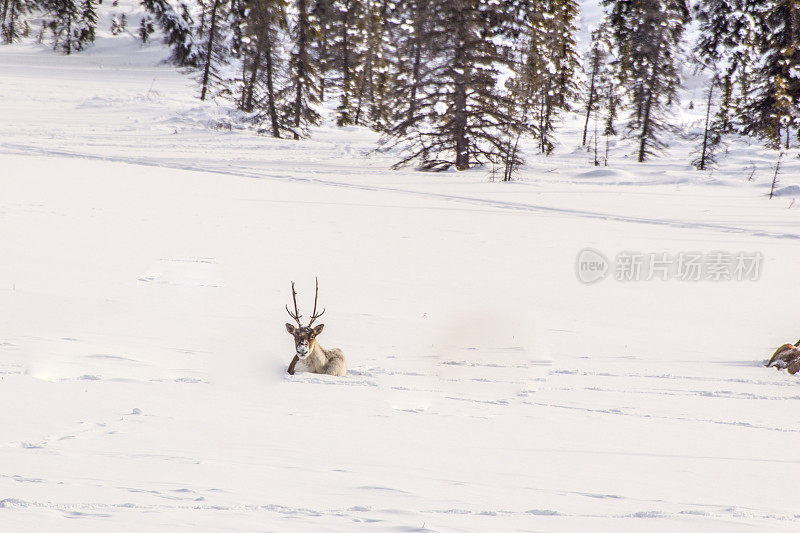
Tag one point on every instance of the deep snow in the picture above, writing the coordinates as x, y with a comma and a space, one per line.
147, 255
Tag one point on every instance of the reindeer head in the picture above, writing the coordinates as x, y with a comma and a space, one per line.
304, 336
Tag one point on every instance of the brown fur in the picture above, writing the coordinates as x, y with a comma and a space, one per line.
322, 361
295, 359
788, 357
319, 360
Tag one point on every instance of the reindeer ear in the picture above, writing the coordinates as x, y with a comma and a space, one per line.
290, 328
318, 329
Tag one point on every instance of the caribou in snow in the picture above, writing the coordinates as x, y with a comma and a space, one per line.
788, 357
310, 356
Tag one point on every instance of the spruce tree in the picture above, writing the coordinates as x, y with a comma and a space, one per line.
373, 78
712, 137
464, 115
531, 85
72, 23
325, 13
347, 48
774, 109
262, 62
726, 46
647, 35
177, 26
146, 29
559, 79
212, 47
598, 73
87, 23
546, 84
303, 86
412, 46
11, 23
564, 48
118, 24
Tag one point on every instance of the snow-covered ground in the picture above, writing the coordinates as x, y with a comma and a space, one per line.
147, 252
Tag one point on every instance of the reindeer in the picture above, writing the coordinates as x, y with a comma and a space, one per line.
788, 357
309, 354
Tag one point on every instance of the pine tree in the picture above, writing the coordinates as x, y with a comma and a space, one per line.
774, 109
176, 24
373, 78
613, 101
146, 29
264, 28
303, 74
10, 16
118, 24
462, 120
647, 36
412, 45
723, 119
212, 48
347, 47
564, 47
72, 23
531, 86
87, 23
718, 29
325, 13
546, 85
726, 47
711, 136
560, 86
598, 72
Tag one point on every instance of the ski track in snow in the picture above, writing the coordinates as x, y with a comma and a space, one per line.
244, 173
358, 514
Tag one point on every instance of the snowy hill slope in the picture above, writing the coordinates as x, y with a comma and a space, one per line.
147, 254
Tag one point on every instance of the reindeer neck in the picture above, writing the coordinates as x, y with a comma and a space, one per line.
317, 358
318, 350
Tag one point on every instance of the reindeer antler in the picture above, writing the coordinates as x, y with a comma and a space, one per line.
314, 315
296, 314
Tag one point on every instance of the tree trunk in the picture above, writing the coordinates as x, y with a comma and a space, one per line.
273, 112
344, 118
68, 46
611, 111
242, 105
788, 135
548, 110
11, 27
248, 105
725, 104
590, 104
323, 64
302, 36
708, 120
596, 160
209, 48
5, 10
366, 82
645, 128
542, 121
460, 94
412, 104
